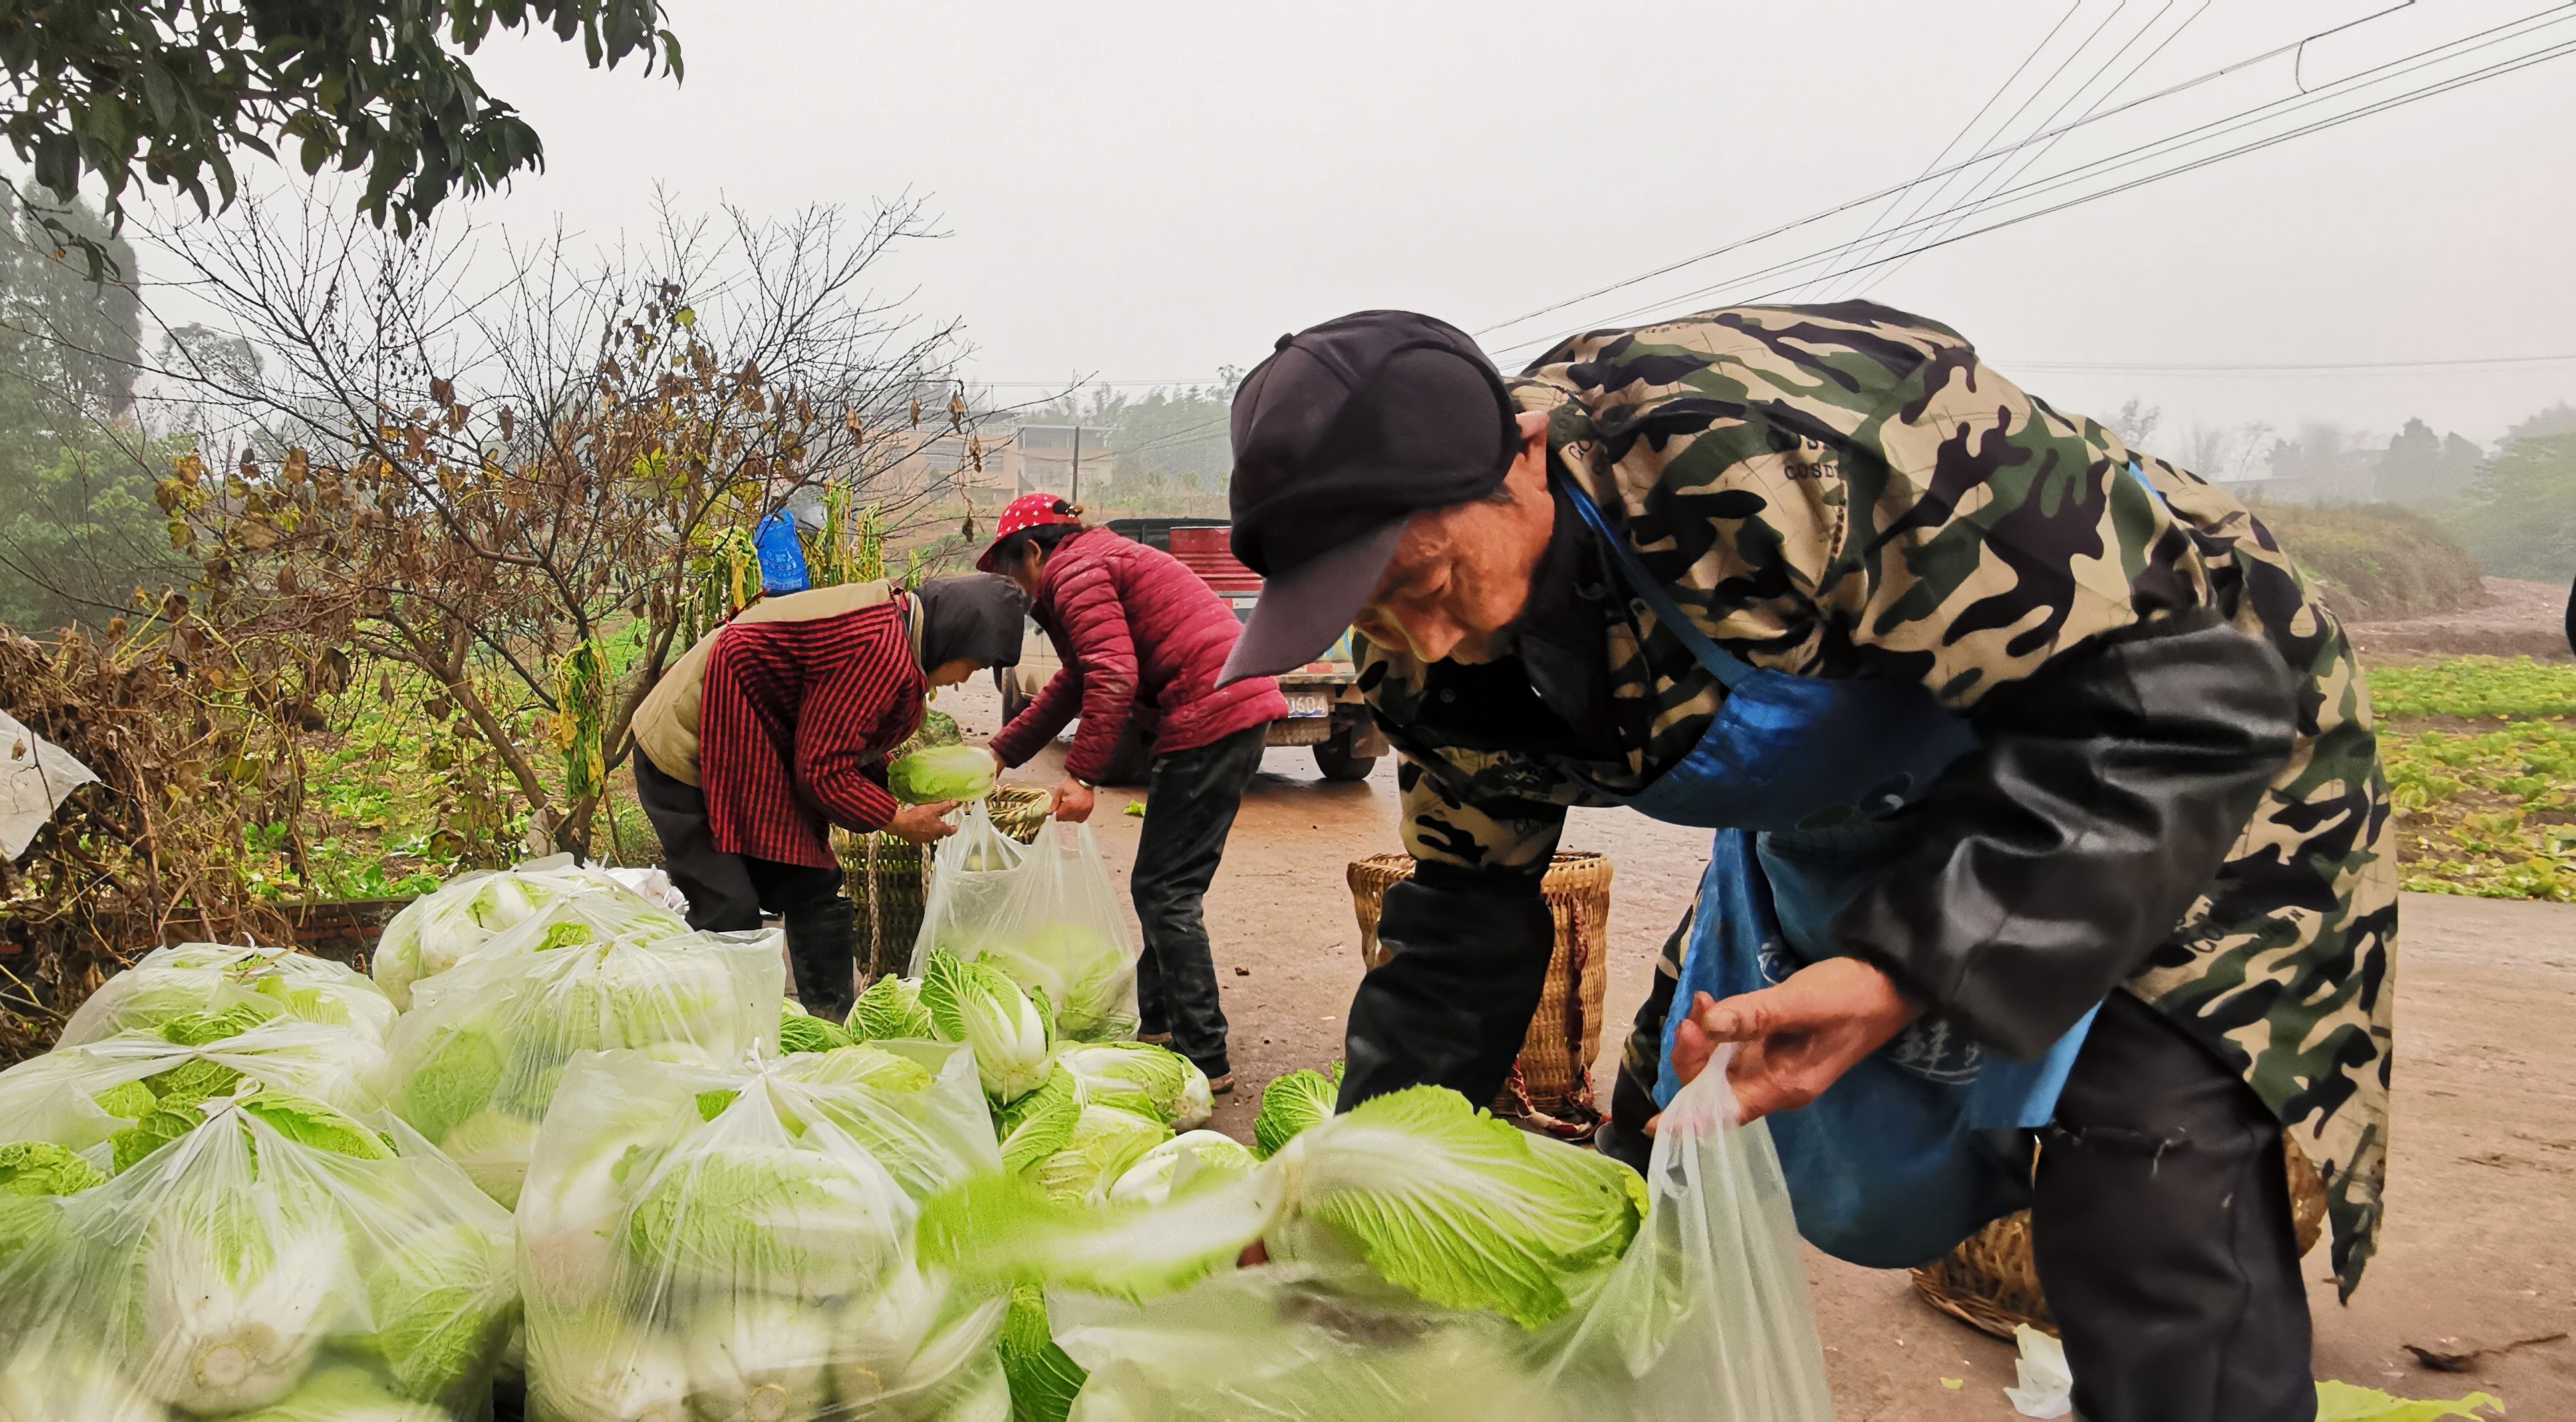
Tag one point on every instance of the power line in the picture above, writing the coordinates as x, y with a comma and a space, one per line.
2004, 179
2152, 150
1838, 209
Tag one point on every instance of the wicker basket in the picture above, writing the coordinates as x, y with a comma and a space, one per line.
1550, 1087
1989, 1283
889, 878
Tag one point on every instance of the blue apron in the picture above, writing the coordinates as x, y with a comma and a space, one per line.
1800, 777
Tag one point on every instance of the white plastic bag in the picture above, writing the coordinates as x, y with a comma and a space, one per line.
971, 873
84, 1098
278, 1260
737, 1243
1705, 1317
211, 977
475, 1064
1057, 927
440, 929
36, 776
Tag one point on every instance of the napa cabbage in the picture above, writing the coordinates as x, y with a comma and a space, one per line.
1435, 1196
62, 1381
33, 1177
745, 1208
891, 1007
466, 915
1105, 1142
1043, 1379
1040, 1123
1290, 1103
477, 1062
800, 1031
959, 773
1142, 1077
344, 1394
1011, 1031
442, 1304
234, 982
759, 1359
1087, 973
1181, 1163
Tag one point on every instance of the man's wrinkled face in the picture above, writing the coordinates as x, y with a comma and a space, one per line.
1461, 574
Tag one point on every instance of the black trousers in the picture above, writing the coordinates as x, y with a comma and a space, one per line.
1190, 801
2161, 1228
2160, 1225
729, 892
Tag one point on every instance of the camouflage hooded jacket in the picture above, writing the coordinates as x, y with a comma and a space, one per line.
1848, 491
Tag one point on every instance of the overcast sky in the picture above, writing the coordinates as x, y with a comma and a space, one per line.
1149, 191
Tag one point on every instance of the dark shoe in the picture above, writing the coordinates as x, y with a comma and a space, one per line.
1221, 1085
822, 951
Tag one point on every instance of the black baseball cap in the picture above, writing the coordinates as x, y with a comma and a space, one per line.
1347, 430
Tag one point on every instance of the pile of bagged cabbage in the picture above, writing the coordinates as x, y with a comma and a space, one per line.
562, 1143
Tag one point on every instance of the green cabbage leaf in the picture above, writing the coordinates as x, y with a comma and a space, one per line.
1434, 1196
1142, 1077
1011, 1031
891, 1007
1290, 1103
960, 773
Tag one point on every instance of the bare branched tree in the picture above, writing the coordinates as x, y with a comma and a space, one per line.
536, 490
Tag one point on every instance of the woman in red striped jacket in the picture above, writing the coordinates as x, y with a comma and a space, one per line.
1142, 640
776, 726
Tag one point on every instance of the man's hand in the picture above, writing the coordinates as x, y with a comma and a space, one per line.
1071, 801
1799, 1037
922, 823
998, 767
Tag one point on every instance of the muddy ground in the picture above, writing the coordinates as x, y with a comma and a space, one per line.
2480, 1248
2522, 618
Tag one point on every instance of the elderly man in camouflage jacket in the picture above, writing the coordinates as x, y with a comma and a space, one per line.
2048, 806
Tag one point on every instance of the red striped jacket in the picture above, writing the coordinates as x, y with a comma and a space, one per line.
794, 725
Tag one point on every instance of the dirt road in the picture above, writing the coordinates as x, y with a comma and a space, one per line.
2481, 1245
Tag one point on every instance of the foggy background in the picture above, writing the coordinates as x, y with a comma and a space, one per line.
1147, 193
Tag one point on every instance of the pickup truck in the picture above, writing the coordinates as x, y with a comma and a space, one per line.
1325, 710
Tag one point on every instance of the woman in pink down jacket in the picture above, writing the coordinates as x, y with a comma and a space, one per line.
1142, 640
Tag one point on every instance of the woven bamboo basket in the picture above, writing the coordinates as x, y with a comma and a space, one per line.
889, 878
1990, 1284
1550, 1087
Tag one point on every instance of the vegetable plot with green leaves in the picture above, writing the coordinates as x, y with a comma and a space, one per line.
475, 1064
736, 1243
276, 1258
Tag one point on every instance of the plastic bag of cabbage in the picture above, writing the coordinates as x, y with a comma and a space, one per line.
475, 1063
277, 1260
1057, 928
737, 1244
213, 977
971, 873
441, 929
1427, 1262
110, 1100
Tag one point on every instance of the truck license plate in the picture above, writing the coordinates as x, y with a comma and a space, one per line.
1302, 705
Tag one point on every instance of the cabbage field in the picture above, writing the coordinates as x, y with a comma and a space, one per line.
563, 1151
2481, 757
